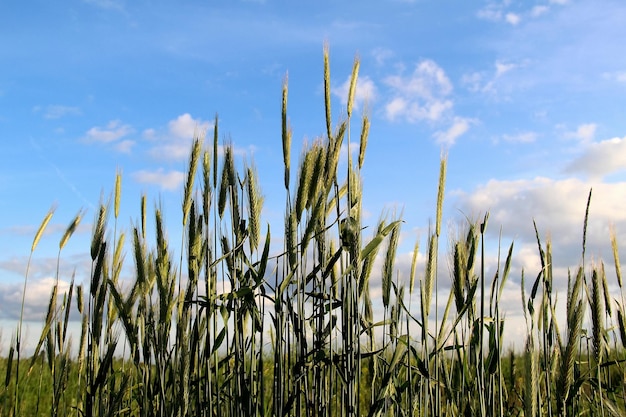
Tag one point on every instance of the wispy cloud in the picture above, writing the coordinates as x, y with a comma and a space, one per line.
539, 10
169, 181
489, 81
503, 67
501, 12
523, 137
459, 126
422, 95
57, 111
490, 12
381, 55
125, 146
107, 4
112, 132
619, 76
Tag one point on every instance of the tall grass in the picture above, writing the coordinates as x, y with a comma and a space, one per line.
237, 327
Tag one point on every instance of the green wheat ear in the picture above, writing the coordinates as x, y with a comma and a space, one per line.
618, 267
286, 132
196, 150
118, 193
42, 228
352, 89
70, 229
327, 90
365, 129
255, 205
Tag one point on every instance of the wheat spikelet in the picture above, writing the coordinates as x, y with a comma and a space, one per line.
575, 293
459, 275
194, 157
286, 133
70, 229
365, 129
605, 289
327, 90
333, 153
304, 180
413, 266
118, 261
531, 378
41, 229
440, 192
290, 238
316, 173
225, 182
566, 378
352, 89
354, 194
622, 324
80, 303
368, 261
98, 232
618, 269
143, 216
597, 316
585, 223
429, 279
118, 193
206, 185
255, 204
390, 257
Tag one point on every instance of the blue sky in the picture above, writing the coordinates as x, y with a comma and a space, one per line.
526, 98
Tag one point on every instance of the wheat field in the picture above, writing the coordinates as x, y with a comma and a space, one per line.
235, 328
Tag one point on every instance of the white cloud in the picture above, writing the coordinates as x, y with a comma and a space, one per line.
423, 95
113, 131
502, 68
185, 126
175, 151
539, 10
149, 133
525, 137
584, 133
36, 298
125, 146
559, 2
497, 12
166, 180
601, 158
175, 143
513, 18
459, 126
365, 91
557, 206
